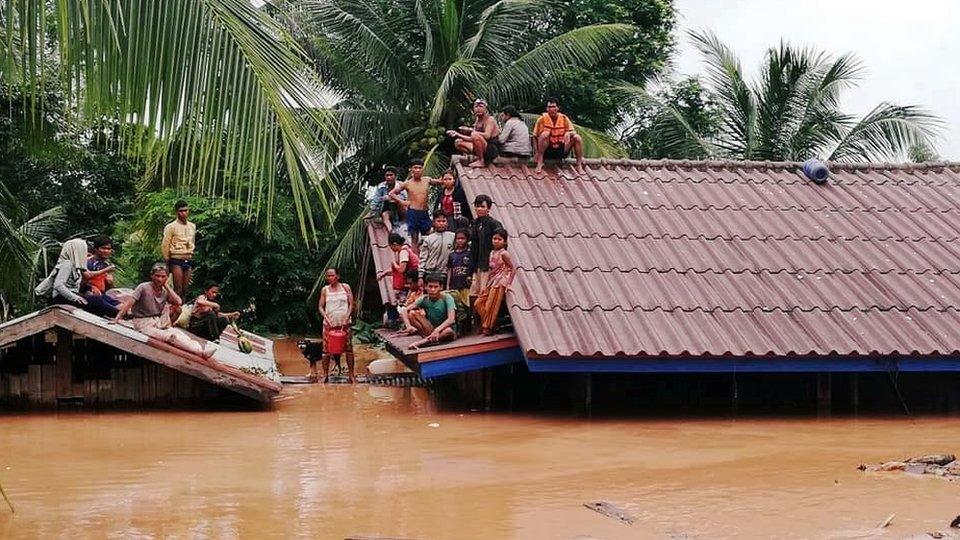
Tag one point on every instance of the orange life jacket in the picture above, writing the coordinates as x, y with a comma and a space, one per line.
557, 130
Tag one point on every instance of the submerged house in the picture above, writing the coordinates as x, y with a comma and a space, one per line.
63, 354
711, 267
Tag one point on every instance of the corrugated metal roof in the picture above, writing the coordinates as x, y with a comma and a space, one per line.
730, 258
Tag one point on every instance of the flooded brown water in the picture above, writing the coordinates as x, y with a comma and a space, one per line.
337, 461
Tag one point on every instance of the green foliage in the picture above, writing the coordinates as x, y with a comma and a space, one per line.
790, 112
44, 163
364, 332
210, 95
590, 95
685, 100
269, 278
24, 242
403, 67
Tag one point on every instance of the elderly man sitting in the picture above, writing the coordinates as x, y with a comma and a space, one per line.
479, 140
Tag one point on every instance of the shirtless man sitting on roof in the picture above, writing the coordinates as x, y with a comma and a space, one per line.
481, 139
417, 188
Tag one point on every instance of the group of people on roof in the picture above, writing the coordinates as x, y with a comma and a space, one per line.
554, 136
84, 277
443, 279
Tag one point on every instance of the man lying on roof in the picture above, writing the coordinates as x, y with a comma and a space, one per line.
481, 139
555, 136
438, 320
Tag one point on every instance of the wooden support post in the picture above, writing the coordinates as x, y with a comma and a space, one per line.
487, 389
588, 394
824, 393
513, 385
64, 364
734, 396
855, 392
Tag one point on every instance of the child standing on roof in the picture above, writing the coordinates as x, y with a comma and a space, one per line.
458, 273
417, 188
405, 260
435, 248
481, 233
501, 274
452, 201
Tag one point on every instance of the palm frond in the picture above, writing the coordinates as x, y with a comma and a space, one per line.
466, 72
212, 94
677, 137
887, 133
732, 92
582, 47
495, 38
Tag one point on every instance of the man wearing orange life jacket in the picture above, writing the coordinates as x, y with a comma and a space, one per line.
555, 137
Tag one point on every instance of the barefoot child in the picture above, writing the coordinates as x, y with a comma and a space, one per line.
417, 188
458, 271
501, 276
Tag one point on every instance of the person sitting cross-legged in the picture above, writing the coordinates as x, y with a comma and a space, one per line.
438, 320
555, 137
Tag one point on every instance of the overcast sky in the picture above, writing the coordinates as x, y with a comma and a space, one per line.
911, 49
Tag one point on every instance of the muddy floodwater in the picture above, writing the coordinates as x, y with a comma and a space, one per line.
341, 461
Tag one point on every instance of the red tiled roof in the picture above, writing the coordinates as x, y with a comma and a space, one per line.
730, 258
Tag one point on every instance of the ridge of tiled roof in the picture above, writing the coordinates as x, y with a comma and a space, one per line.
680, 257
705, 164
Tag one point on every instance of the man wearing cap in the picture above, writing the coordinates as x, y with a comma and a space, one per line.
479, 140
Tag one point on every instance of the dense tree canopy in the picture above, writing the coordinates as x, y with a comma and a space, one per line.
590, 94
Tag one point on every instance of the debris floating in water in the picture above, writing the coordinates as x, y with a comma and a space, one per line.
942, 465
433, 425
610, 510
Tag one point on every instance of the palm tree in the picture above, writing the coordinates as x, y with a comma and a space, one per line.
790, 112
24, 242
405, 69
212, 95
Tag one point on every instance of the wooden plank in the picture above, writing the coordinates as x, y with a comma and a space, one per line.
26, 326
426, 355
64, 363
135, 380
148, 389
48, 384
15, 386
182, 361
34, 386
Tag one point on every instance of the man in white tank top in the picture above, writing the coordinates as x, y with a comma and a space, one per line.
336, 310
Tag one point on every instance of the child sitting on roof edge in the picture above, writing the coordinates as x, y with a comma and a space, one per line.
438, 321
381, 206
